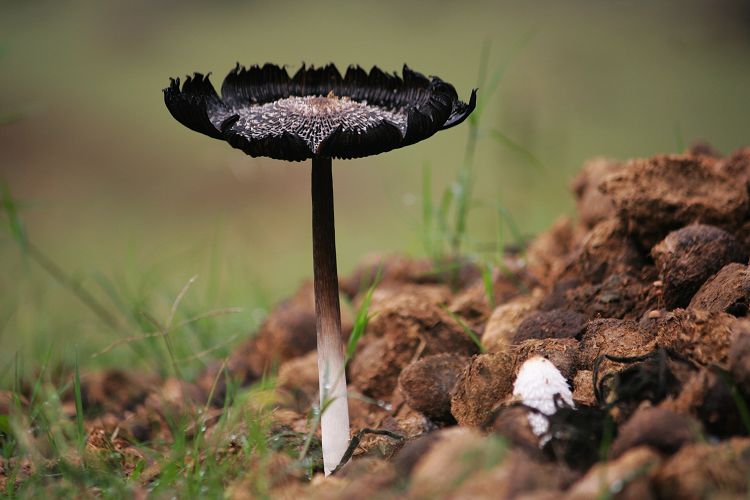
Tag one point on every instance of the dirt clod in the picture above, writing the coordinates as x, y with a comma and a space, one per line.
620, 296
405, 328
428, 383
707, 397
503, 323
464, 464
472, 304
515, 475
298, 382
440, 469
701, 336
287, 332
660, 194
686, 258
592, 205
583, 388
613, 337
736, 165
513, 424
659, 428
726, 291
547, 254
739, 357
486, 381
704, 470
557, 323
605, 250
116, 390
563, 353
413, 451
629, 475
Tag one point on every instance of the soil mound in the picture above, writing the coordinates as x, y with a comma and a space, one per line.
640, 304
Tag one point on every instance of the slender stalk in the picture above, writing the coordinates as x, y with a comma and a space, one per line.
332, 378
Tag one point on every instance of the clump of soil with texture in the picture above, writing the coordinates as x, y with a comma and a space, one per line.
640, 302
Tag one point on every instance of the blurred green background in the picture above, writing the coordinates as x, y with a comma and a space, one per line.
131, 204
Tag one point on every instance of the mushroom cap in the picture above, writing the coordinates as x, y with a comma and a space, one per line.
317, 113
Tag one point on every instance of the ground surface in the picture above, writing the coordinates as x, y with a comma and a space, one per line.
640, 303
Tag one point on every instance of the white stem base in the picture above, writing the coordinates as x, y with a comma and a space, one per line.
334, 420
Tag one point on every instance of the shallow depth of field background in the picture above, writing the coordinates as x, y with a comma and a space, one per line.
131, 204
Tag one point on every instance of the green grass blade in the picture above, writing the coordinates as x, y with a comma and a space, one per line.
444, 232
489, 288
427, 211
39, 379
80, 431
15, 223
467, 330
177, 301
515, 231
21, 237
462, 193
363, 317
517, 149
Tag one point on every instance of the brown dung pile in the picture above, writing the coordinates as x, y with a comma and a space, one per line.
640, 303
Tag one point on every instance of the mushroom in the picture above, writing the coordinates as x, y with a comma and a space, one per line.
540, 386
318, 114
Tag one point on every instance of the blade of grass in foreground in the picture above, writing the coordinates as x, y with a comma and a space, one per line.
363, 317
516, 148
21, 237
467, 330
80, 431
465, 178
515, 231
489, 289
427, 211
14, 220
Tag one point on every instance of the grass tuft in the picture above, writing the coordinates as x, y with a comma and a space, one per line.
81, 433
362, 319
474, 336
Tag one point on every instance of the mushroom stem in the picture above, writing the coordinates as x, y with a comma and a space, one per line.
334, 409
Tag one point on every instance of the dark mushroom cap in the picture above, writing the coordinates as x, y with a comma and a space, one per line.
317, 112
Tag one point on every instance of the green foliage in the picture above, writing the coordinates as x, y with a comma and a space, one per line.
190, 465
444, 240
516, 148
363, 317
11, 211
474, 336
487, 281
81, 433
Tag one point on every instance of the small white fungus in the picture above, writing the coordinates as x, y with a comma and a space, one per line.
537, 383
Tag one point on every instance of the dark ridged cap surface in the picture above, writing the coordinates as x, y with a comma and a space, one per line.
317, 112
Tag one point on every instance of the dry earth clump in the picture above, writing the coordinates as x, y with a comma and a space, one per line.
657, 195
639, 303
726, 291
427, 384
687, 257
